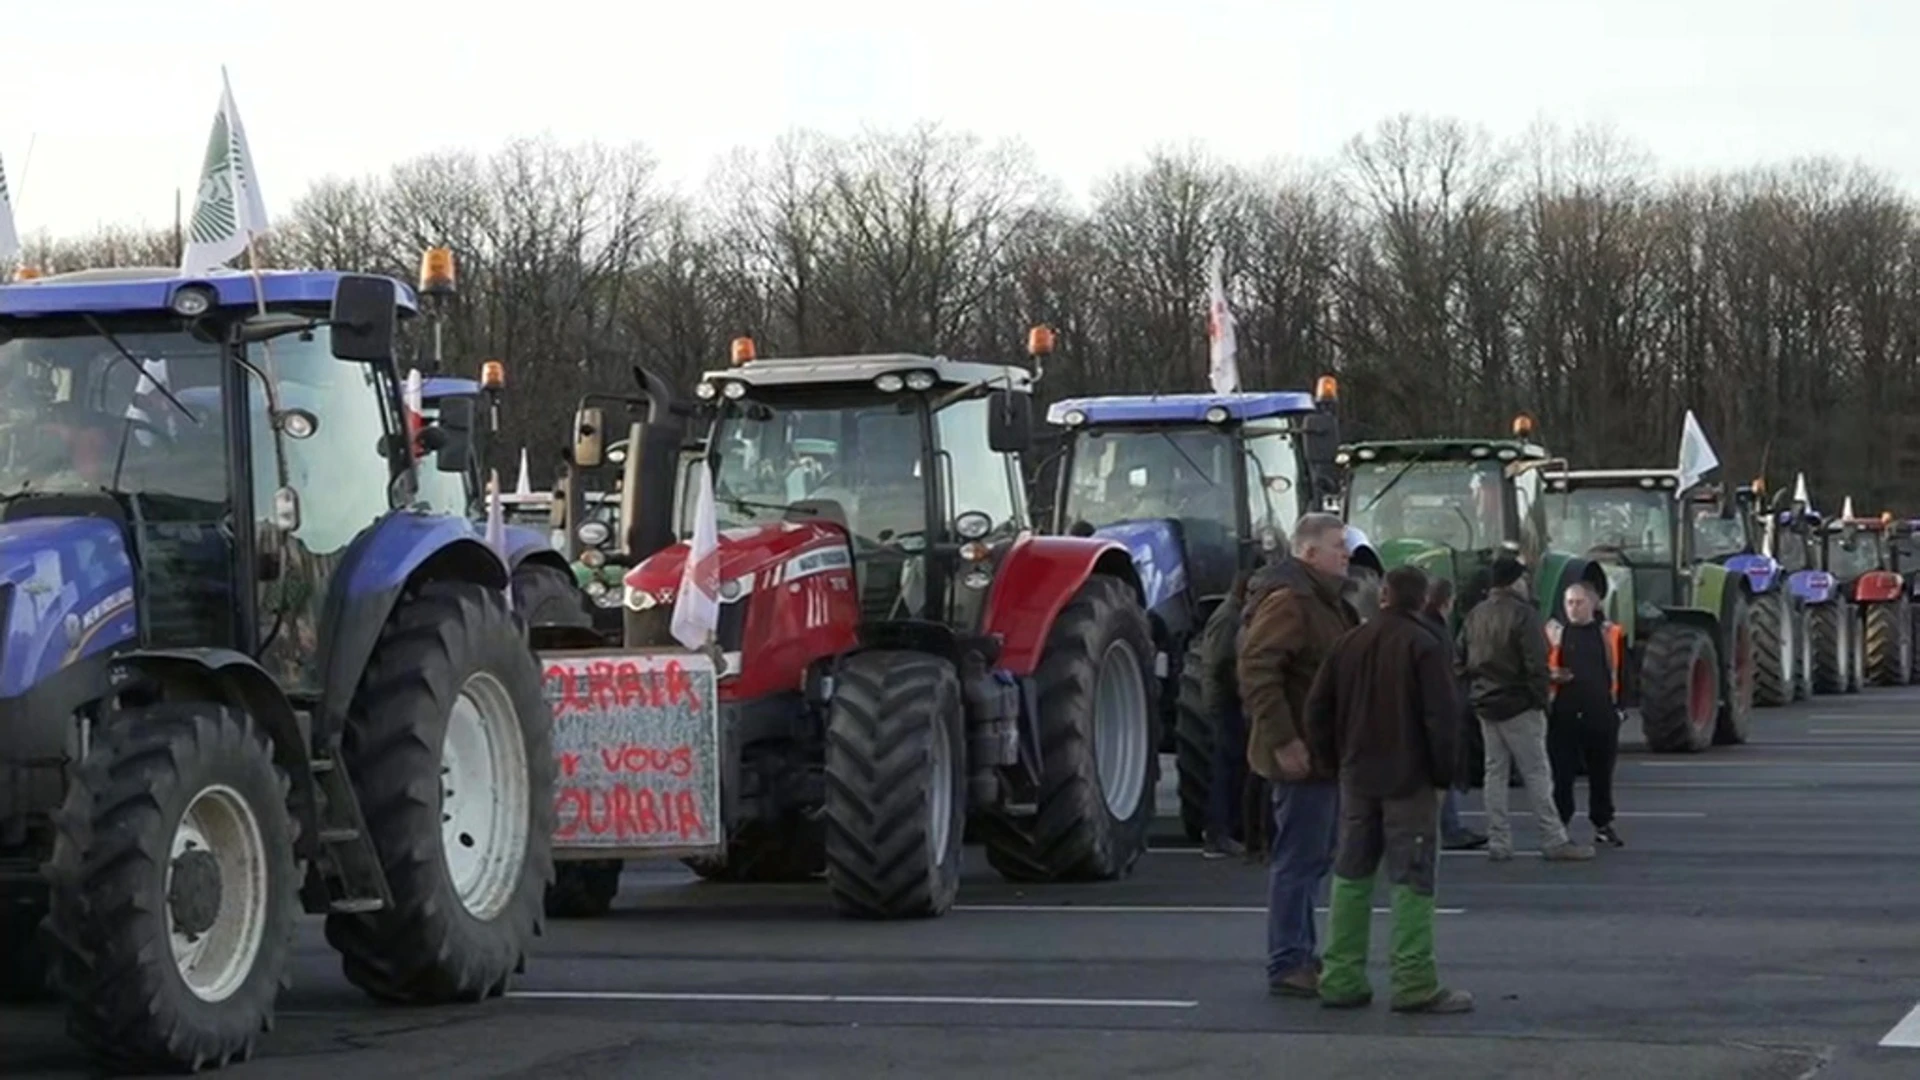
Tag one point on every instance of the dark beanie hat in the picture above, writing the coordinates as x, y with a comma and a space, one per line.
1507, 570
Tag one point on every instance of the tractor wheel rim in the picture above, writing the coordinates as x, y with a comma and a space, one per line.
219, 853
1700, 693
484, 801
940, 793
1120, 730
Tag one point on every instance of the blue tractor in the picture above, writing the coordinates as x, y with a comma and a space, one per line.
246, 672
1199, 487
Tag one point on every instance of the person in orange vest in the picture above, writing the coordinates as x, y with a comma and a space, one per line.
1585, 656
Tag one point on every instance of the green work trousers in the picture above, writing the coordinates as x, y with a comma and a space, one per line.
1405, 833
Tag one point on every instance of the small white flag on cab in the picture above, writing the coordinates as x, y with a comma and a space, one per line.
1697, 458
696, 609
1223, 369
1800, 491
9, 234
228, 213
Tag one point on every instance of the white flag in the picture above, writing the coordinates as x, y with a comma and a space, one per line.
496, 518
525, 484
1222, 368
9, 235
228, 212
1697, 458
1846, 512
696, 610
1800, 491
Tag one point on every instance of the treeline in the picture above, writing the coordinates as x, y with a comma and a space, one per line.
1449, 280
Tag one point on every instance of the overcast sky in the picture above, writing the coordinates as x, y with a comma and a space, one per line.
115, 97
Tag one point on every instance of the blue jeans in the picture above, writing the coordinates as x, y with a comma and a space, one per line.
1229, 774
1450, 814
1306, 825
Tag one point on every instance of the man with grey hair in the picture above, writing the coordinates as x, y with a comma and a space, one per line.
1295, 611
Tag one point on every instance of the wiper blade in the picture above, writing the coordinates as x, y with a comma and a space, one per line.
1397, 477
139, 366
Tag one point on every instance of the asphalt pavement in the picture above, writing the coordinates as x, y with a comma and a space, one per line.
1761, 922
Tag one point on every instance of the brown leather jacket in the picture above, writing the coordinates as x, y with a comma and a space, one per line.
1383, 712
1293, 618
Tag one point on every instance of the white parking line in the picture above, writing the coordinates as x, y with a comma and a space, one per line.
849, 999
1152, 909
1781, 763
1617, 813
1906, 1032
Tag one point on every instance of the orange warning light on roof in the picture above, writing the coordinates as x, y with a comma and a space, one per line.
436, 270
493, 375
742, 351
1522, 426
1326, 389
1040, 341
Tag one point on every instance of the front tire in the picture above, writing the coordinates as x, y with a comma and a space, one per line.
1830, 647
1776, 648
1889, 643
173, 889
1680, 690
1097, 739
1737, 690
449, 743
1193, 737
545, 595
896, 786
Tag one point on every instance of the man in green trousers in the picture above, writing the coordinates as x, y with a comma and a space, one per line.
1383, 715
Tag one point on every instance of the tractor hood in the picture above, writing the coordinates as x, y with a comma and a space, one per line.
1156, 551
66, 591
1429, 555
754, 555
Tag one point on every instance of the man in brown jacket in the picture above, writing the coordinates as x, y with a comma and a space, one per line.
1294, 615
1384, 714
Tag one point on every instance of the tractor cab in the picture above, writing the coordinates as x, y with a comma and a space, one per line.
1864, 558
1852, 547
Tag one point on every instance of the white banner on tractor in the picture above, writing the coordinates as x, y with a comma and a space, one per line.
9, 234
228, 212
1697, 458
1223, 367
696, 609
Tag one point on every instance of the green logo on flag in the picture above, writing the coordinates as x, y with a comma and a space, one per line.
216, 210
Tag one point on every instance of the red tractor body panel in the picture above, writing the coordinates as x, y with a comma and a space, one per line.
1036, 578
1878, 586
796, 579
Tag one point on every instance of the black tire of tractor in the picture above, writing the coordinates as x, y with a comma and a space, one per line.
792, 849
1829, 642
1075, 835
1668, 714
427, 948
23, 953
896, 733
109, 935
1193, 737
1774, 650
583, 889
1889, 643
1803, 675
544, 595
1739, 668
1857, 656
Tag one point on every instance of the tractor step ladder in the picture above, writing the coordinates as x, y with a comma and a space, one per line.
356, 885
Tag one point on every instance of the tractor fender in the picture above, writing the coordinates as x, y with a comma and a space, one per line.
397, 551
1704, 619
1038, 576
1878, 587
236, 679
1760, 572
528, 545
1812, 586
1712, 585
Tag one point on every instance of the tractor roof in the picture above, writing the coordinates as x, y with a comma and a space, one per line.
130, 289
1177, 408
1441, 450
441, 386
1647, 479
823, 371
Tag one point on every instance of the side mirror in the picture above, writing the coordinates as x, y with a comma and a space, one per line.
456, 450
365, 318
587, 428
1009, 422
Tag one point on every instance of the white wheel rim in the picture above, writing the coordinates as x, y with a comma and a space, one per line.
940, 793
483, 797
215, 961
1120, 730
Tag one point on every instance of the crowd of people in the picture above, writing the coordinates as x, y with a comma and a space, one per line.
1345, 742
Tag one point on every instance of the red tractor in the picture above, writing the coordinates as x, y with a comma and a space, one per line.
899, 661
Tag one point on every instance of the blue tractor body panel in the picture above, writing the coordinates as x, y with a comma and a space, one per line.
68, 585
107, 297
1761, 571
402, 542
1178, 408
1812, 586
1156, 551
445, 386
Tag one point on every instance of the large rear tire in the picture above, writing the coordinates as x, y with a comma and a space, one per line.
449, 743
23, 954
1803, 673
896, 786
1193, 737
1857, 653
545, 595
1831, 648
1889, 642
173, 890
1098, 768
1741, 668
1776, 649
1680, 690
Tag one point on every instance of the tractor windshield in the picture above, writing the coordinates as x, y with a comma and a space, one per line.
1638, 522
78, 416
1457, 502
1712, 536
1142, 474
1851, 555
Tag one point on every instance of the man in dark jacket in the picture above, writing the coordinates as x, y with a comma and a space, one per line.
1220, 697
1506, 657
1384, 715
1437, 615
1293, 618
1584, 725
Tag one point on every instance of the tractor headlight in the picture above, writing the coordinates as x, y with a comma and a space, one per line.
1075, 418
192, 301
1217, 414
640, 599
593, 558
920, 380
890, 383
706, 391
594, 533
596, 589
734, 390
972, 525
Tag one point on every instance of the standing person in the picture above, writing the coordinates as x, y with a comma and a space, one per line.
1384, 714
1220, 697
1584, 725
1293, 617
1506, 644
1437, 614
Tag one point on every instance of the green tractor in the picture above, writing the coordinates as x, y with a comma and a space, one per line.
1684, 587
